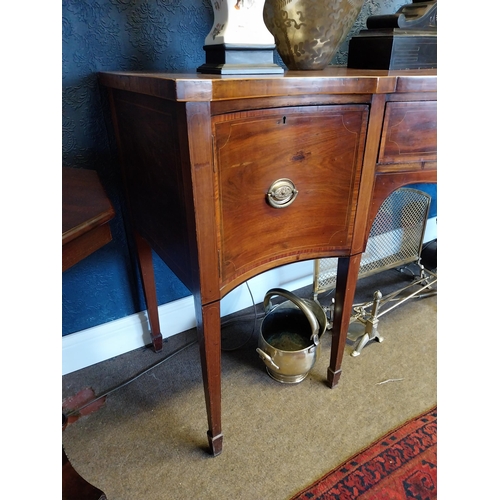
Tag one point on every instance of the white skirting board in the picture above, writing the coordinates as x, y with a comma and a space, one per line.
430, 229
91, 346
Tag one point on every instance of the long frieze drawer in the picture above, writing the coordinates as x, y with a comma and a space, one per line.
287, 182
409, 132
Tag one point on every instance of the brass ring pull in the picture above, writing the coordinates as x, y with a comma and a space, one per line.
281, 193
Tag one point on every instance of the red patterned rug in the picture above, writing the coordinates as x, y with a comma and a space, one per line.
400, 466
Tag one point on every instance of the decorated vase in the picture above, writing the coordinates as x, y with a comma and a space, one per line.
308, 33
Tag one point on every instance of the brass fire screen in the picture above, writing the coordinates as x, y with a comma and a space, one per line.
395, 239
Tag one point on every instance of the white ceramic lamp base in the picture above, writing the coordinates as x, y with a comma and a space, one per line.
239, 41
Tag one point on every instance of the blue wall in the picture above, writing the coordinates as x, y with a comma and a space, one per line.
431, 190
102, 35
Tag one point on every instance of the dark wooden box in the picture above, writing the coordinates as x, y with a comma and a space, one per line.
393, 49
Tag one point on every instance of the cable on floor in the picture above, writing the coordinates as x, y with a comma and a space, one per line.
140, 374
123, 384
239, 318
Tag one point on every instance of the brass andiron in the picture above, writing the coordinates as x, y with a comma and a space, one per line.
423, 287
371, 325
395, 242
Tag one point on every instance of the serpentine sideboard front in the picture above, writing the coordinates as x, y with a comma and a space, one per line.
227, 177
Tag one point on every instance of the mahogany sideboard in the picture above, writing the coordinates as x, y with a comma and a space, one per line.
229, 176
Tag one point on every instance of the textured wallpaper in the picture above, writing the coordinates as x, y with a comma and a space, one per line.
101, 35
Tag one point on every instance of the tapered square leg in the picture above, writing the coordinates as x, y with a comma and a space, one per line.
145, 256
347, 277
208, 319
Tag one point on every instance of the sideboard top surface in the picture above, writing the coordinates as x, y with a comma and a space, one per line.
185, 87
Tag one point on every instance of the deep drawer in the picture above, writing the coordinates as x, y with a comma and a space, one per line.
319, 149
409, 132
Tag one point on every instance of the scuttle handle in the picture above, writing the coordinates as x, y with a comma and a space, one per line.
265, 357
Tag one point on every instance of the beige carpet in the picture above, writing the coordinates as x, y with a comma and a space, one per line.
148, 441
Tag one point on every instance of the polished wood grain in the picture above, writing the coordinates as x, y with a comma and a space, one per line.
189, 87
200, 152
409, 132
86, 212
149, 286
320, 149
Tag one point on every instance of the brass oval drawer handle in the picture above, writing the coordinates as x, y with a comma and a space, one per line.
281, 193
